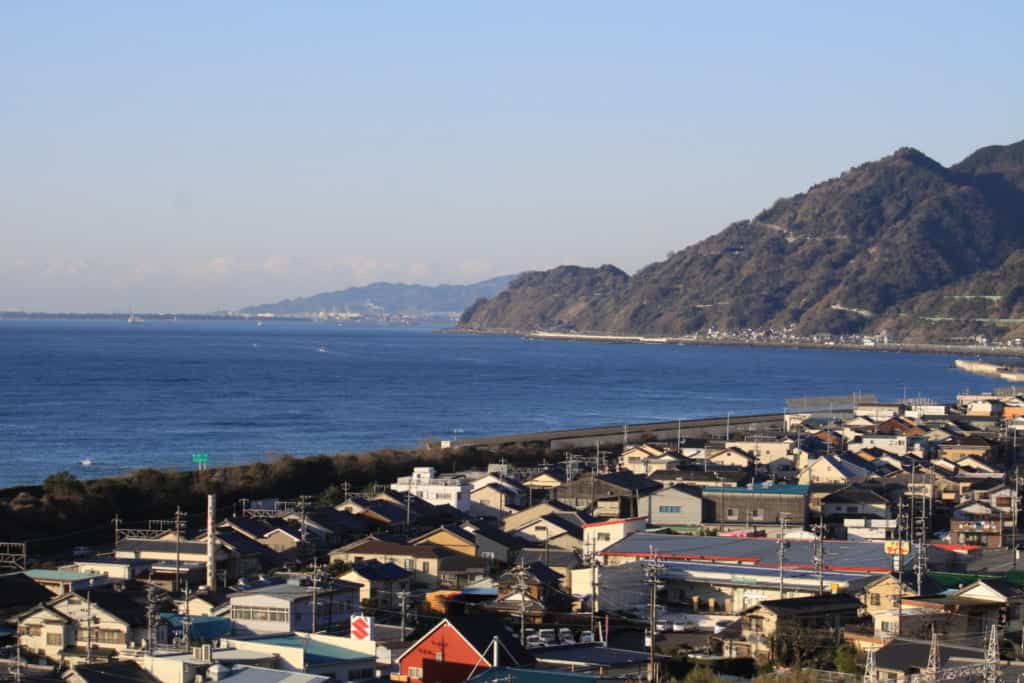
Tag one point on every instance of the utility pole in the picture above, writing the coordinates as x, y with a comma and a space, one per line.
316, 576
783, 520
403, 595
178, 518
117, 528
1016, 506
931, 672
520, 576
899, 570
593, 584
652, 574
819, 554
186, 622
869, 668
152, 618
88, 627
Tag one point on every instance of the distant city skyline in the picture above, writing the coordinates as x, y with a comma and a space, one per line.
198, 157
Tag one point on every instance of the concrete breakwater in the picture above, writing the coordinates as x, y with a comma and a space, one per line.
1005, 372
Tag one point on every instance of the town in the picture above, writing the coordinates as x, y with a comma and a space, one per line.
849, 540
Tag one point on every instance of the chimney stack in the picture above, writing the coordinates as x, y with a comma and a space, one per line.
211, 541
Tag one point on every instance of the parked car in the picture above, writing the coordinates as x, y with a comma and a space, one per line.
586, 637
565, 636
682, 626
662, 626
547, 636
533, 640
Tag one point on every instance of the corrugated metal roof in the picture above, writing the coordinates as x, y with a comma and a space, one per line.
839, 555
777, 489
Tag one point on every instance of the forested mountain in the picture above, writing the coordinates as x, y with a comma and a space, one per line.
897, 244
388, 298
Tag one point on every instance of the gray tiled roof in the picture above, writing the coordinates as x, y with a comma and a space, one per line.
841, 555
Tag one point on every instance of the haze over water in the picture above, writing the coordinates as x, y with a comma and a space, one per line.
127, 396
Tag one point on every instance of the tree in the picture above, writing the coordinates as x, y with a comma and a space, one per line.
64, 487
846, 659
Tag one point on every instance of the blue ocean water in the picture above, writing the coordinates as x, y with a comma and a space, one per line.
127, 396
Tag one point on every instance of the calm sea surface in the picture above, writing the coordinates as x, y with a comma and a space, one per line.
126, 396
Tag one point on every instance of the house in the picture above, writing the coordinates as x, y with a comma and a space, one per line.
494, 544
879, 411
494, 496
732, 457
673, 506
113, 621
646, 460
61, 581
453, 538
329, 527
882, 594
608, 495
761, 624
977, 524
119, 571
829, 469
518, 520
18, 593
424, 483
290, 607
982, 604
379, 582
541, 591
599, 535
853, 502
340, 659
960, 447
904, 659
423, 560
382, 513
560, 561
755, 505
456, 648
544, 484
166, 549
699, 477
555, 529
104, 672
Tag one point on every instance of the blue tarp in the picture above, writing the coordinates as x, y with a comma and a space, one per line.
203, 629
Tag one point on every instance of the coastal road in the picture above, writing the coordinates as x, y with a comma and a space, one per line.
715, 427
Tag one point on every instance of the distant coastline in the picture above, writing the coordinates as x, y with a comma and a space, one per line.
945, 349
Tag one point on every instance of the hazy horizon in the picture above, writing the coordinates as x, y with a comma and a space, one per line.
199, 157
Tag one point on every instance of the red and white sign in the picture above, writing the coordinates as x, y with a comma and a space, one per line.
361, 627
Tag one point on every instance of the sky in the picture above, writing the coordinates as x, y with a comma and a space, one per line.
200, 156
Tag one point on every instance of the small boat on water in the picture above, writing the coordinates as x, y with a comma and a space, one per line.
322, 349
85, 462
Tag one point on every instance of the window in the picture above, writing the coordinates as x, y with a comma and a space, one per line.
55, 639
439, 656
360, 674
757, 514
408, 564
487, 554
875, 599
604, 537
671, 509
259, 614
757, 624
109, 636
425, 567
851, 508
416, 672
732, 513
887, 627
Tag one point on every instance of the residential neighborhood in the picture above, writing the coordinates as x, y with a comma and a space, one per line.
889, 532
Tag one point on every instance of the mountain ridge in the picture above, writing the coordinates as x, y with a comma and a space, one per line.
857, 253
393, 298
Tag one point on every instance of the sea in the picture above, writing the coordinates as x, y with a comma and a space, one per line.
116, 396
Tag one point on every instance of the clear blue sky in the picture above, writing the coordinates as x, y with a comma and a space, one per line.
192, 156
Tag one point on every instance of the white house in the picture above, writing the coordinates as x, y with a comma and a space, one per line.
599, 535
424, 483
288, 607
